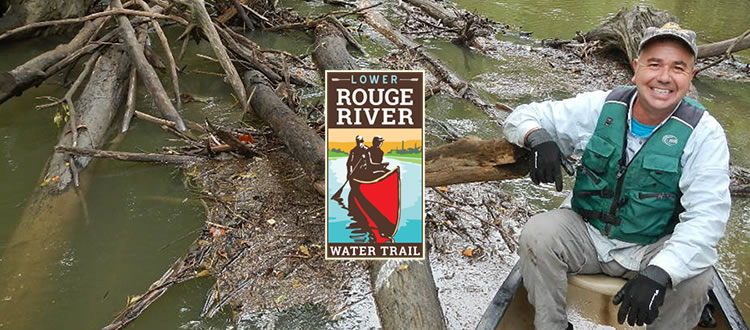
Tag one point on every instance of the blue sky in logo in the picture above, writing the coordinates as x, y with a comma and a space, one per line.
410, 225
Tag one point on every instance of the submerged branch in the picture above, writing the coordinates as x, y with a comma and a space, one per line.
129, 156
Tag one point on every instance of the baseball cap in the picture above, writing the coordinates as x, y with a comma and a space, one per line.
670, 30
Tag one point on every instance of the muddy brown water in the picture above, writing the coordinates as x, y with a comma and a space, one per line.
118, 250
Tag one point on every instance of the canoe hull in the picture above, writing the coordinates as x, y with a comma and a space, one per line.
590, 296
378, 202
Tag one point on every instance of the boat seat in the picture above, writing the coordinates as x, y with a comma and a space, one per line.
600, 283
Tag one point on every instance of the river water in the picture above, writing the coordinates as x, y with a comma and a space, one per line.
135, 210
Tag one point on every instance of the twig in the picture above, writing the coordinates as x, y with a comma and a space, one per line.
219, 225
226, 298
130, 102
508, 242
349, 305
464, 211
243, 14
113, 11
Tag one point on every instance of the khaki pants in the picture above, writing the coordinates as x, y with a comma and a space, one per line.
556, 244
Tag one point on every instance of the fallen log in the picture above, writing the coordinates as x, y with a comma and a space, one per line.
445, 16
721, 47
622, 33
460, 87
405, 295
330, 49
16, 13
303, 143
129, 156
47, 219
473, 160
34, 71
198, 8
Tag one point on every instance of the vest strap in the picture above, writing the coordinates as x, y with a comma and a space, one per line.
604, 217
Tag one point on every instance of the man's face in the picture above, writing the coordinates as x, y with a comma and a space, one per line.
663, 72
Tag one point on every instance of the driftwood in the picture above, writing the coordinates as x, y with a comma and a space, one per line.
146, 71
445, 16
622, 34
207, 26
303, 143
330, 49
170, 57
721, 47
405, 295
623, 31
129, 156
46, 219
34, 71
473, 160
16, 13
460, 87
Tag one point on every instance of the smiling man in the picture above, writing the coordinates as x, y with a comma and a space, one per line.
651, 196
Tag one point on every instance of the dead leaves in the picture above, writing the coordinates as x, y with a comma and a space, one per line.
472, 252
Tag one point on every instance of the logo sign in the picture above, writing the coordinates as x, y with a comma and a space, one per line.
669, 140
375, 164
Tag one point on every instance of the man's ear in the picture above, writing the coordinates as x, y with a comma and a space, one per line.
635, 69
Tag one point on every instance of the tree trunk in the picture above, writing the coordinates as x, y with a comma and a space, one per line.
303, 143
473, 160
330, 49
405, 295
623, 31
719, 48
45, 223
447, 17
36, 70
15, 13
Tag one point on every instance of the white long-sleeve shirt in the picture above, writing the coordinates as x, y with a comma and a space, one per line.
704, 182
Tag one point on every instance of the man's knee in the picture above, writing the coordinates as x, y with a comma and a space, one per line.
694, 288
540, 230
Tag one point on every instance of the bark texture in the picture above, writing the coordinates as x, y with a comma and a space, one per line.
473, 160
405, 295
22, 12
36, 70
303, 143
330, 49
623, 31
45, 223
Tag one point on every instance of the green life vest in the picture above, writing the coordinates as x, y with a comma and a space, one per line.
637, 202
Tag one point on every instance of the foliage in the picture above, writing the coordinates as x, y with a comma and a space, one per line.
62, 115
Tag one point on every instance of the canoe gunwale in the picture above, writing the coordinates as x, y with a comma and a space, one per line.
719, 295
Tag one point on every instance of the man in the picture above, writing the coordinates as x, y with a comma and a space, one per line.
375, 157
357, 158
651, 198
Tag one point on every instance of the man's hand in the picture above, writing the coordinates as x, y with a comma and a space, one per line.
546, 158
642, 296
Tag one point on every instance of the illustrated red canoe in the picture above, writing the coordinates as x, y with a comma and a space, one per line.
379, 201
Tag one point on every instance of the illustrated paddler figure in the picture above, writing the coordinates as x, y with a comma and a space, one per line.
355, 165
375, 163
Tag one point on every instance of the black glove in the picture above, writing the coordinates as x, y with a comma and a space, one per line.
642, 296
546, 158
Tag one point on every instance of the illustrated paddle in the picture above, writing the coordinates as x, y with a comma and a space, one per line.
337, 195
